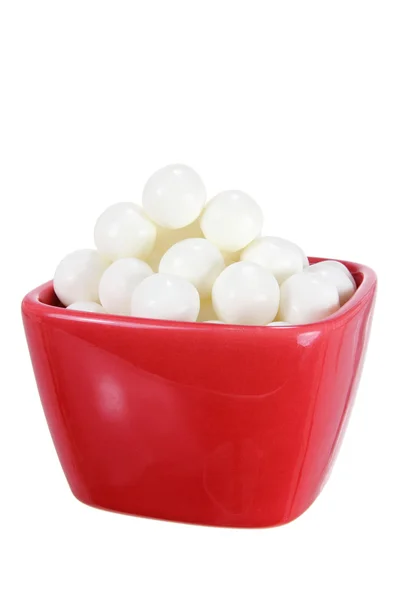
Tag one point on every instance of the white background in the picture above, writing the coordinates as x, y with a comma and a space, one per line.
296, 103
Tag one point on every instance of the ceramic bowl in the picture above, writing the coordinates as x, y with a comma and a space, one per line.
200, 423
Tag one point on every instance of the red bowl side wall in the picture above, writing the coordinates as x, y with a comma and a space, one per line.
228, 426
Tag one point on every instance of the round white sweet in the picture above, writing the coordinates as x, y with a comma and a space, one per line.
279, 256
231, 220
118, 282
246, 294
339, 275
168, 237
174, 196
77, 276
278, 323
196, 260
306, 297
87, 307
168, 297
123, 231
337, 264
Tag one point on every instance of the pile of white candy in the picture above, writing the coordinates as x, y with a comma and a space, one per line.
212, 264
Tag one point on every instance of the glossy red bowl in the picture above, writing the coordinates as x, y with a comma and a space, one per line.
199, 423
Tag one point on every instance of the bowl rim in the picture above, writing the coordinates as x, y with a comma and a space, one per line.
366, 279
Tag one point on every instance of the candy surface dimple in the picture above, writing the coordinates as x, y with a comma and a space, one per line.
124, 231
87, 307
337, 274
246, 294
78, 275
279, 256
174, 196
196, 260
306, 297
231, 220
118, 283
168, 297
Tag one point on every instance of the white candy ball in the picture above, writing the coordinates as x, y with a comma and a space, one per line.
118, 282
339, 275
123, 231
168, 237
77, 276
281, 257
196, 260
246, 294
168, 297
231, 220
278, 324
87, 307
174, 196
306, 297
337, 264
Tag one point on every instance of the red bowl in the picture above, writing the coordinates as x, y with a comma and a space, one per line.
199, 423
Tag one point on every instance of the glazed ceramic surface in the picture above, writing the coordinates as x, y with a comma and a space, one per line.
201, 423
